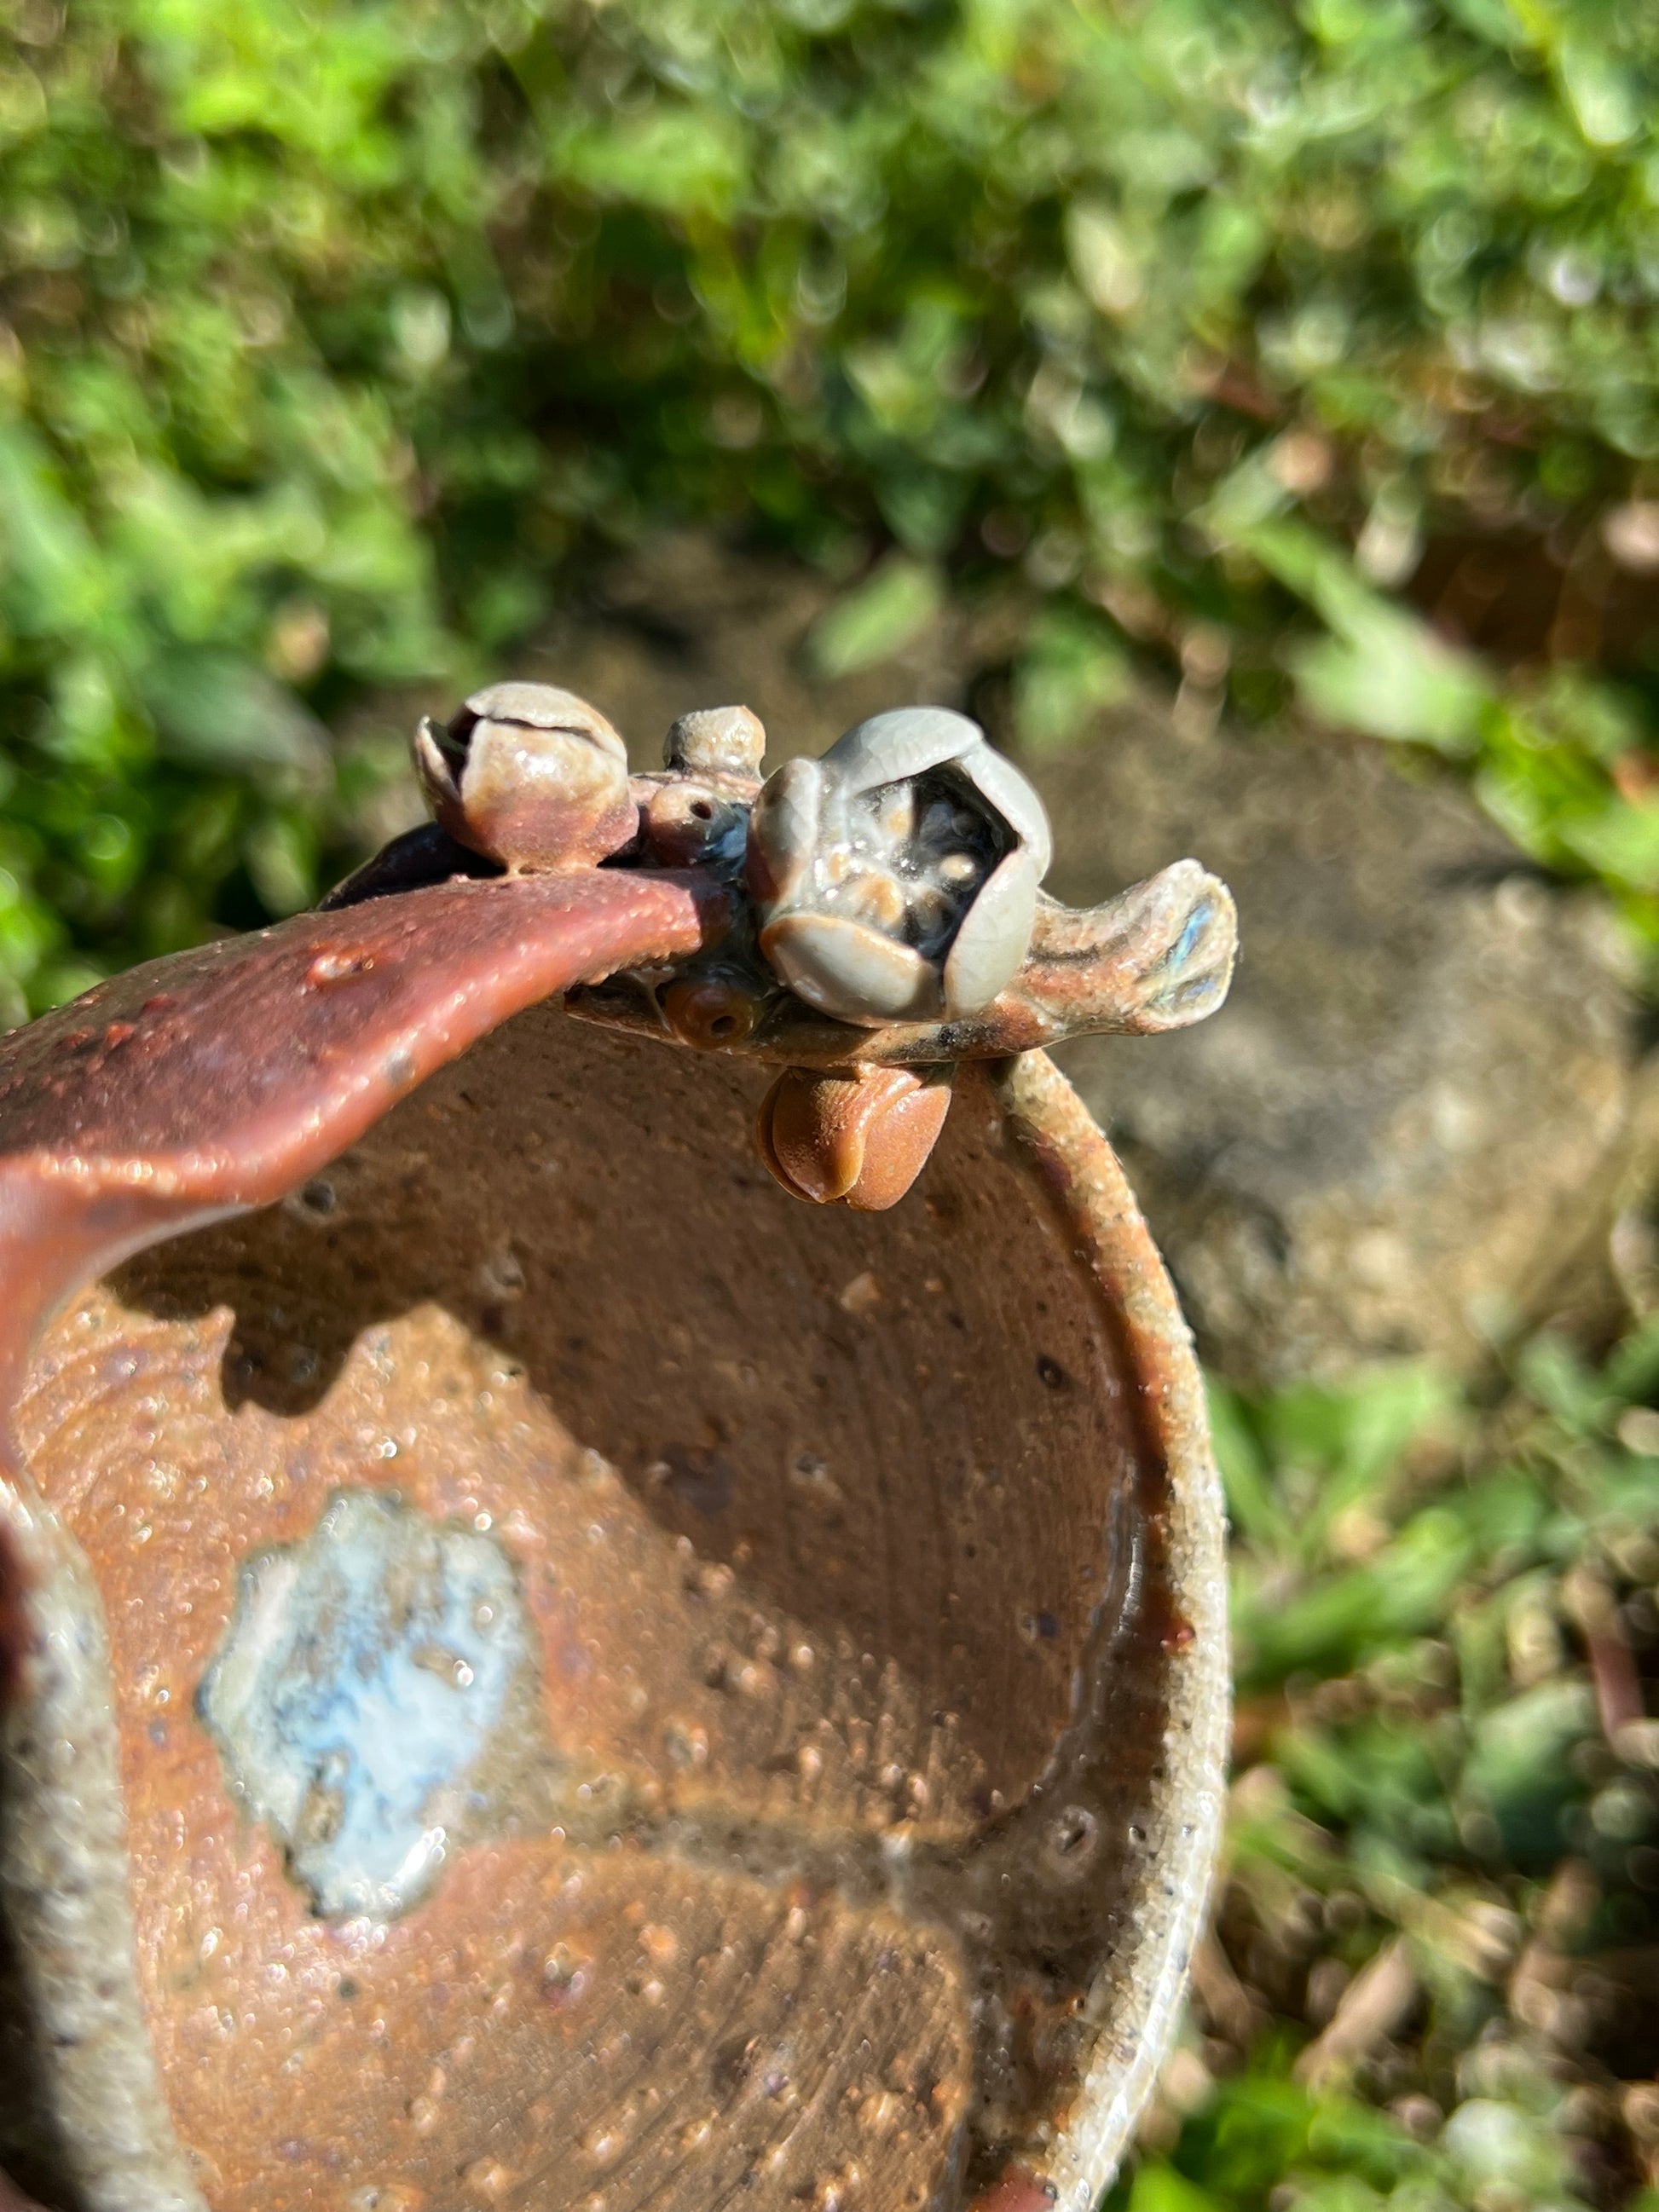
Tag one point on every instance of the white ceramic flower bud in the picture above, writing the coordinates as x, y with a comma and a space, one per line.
896, 879
528, 776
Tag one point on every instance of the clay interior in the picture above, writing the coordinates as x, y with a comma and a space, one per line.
803, 1823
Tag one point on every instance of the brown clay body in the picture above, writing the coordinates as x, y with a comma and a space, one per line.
801, 1627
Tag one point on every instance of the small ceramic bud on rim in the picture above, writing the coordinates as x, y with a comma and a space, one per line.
528, 776
725, 742
896, 879
697, 812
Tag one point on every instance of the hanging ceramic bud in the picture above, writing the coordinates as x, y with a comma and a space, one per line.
856, 1137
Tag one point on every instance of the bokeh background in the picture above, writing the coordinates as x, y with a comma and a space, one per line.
1250, 409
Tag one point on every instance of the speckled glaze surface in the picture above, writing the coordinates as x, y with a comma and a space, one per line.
542, 1671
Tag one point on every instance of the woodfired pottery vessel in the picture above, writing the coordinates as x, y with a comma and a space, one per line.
541, 1670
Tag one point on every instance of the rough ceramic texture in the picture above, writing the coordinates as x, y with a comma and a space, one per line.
804, 1625
181, 1091
917, 1436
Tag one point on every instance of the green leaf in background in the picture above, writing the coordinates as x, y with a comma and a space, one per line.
1429, 1795
876, 619
1074, 665
1159, 2188
1378, 668
683, 161
1384, 674
212, 710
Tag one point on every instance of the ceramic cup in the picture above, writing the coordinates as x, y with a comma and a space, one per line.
542, 1671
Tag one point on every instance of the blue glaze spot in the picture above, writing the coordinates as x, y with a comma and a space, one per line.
1182, 950
363, 1672
1195, 993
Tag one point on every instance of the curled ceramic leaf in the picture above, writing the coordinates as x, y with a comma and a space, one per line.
528, 776
896, 879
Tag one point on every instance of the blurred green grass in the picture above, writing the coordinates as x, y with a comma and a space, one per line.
1435, 1980
1301, 356
1231, 338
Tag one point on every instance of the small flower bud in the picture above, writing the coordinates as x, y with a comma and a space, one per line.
528, 776
896, 879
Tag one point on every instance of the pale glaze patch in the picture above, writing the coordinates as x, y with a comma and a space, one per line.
357, 1691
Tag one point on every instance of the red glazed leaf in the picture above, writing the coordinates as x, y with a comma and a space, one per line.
221, 1078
